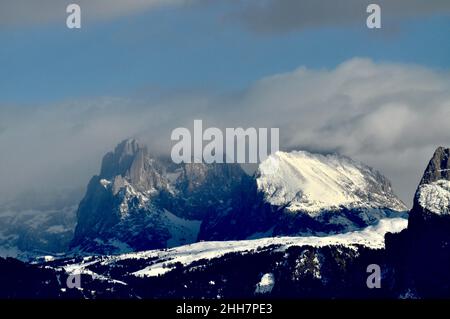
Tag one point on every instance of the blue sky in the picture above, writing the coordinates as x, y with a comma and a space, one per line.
167, 50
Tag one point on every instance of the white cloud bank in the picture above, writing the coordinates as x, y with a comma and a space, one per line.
390, 116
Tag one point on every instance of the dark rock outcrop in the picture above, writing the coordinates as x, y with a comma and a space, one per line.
428, 212
438, 167
421, 253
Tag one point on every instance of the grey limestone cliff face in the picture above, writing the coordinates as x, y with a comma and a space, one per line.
143, 202
130, 161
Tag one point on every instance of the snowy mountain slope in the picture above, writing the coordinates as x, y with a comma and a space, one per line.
162, 261
304, 194
292, 267
311, 183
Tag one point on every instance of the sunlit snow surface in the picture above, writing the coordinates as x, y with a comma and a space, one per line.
435, 197
162, 261
307, 182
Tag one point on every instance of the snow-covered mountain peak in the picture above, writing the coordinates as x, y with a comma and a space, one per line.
302, 181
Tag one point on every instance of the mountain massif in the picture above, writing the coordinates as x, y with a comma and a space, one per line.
140, 201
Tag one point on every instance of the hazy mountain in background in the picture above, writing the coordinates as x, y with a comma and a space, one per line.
38, 223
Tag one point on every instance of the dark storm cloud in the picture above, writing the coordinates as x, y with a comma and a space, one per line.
274, 16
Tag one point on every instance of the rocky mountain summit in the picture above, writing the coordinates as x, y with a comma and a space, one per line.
422, 251
142, 202
431, 208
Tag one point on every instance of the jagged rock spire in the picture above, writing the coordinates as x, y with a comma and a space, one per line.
121, 159
438, 167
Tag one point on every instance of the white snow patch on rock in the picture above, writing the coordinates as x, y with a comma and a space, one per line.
435, 197
105, 183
